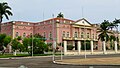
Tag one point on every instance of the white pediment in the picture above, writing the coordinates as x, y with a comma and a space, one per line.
83, 22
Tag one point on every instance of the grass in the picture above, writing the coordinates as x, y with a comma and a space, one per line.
11, 55
24, 55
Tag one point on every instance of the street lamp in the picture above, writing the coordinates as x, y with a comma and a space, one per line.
84, 40
54, 43
32, 43
61, 40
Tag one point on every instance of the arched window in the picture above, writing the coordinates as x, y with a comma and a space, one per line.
24, 34
82, 34
76, 34
44, 34
17, 34
50, 35
93, 36
63, 34
88, 35
68, 34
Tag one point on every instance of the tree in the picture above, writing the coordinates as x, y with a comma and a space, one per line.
2, 37
7, 40
15, 45
104, 33
38, 45
60, 15
27, 42
4, 11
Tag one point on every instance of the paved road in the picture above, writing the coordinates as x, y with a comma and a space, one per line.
46, 62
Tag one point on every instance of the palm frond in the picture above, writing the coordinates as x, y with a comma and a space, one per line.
9, 12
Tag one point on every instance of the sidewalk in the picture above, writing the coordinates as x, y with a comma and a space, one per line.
91, 61
88, 52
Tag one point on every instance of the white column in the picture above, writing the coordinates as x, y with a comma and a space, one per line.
115, 46
79, 47
74, 45
91, 47
104, 48
65, 47
10, 48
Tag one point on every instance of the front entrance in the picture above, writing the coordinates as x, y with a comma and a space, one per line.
85, 43
76, 45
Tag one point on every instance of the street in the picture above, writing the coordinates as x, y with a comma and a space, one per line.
46, 62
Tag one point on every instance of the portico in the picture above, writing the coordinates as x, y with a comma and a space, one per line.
78, 45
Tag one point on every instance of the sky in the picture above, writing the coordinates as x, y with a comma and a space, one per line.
95, 11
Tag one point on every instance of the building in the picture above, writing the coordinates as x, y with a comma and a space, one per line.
62, 30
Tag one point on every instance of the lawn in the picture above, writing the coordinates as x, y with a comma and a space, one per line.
11, 55
24, 55
93, 61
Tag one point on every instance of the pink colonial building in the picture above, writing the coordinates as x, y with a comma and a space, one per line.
61, 30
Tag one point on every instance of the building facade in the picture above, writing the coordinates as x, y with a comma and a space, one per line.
61, 30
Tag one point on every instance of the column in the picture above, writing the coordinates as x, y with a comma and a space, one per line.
65, 47
104, 48
115, 46
79, 47
91, 47
10, 48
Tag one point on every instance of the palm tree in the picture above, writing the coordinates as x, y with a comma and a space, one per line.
104, 33
60, 15
116, 22
4, 11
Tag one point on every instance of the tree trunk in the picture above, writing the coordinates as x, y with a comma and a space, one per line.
104, 48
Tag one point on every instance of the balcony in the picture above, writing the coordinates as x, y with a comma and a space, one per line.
78, 38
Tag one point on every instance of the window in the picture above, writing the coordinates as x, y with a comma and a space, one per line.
17, 34
67, 34
82, 34
63, 34
96, 36
24, 34
50, 21
50, 35
28, 23
21, 22
64, 21
76, 35
88, 35
93, 36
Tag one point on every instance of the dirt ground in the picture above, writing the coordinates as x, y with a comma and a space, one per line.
93, 61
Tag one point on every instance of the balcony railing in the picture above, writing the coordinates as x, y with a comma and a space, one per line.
78, 38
